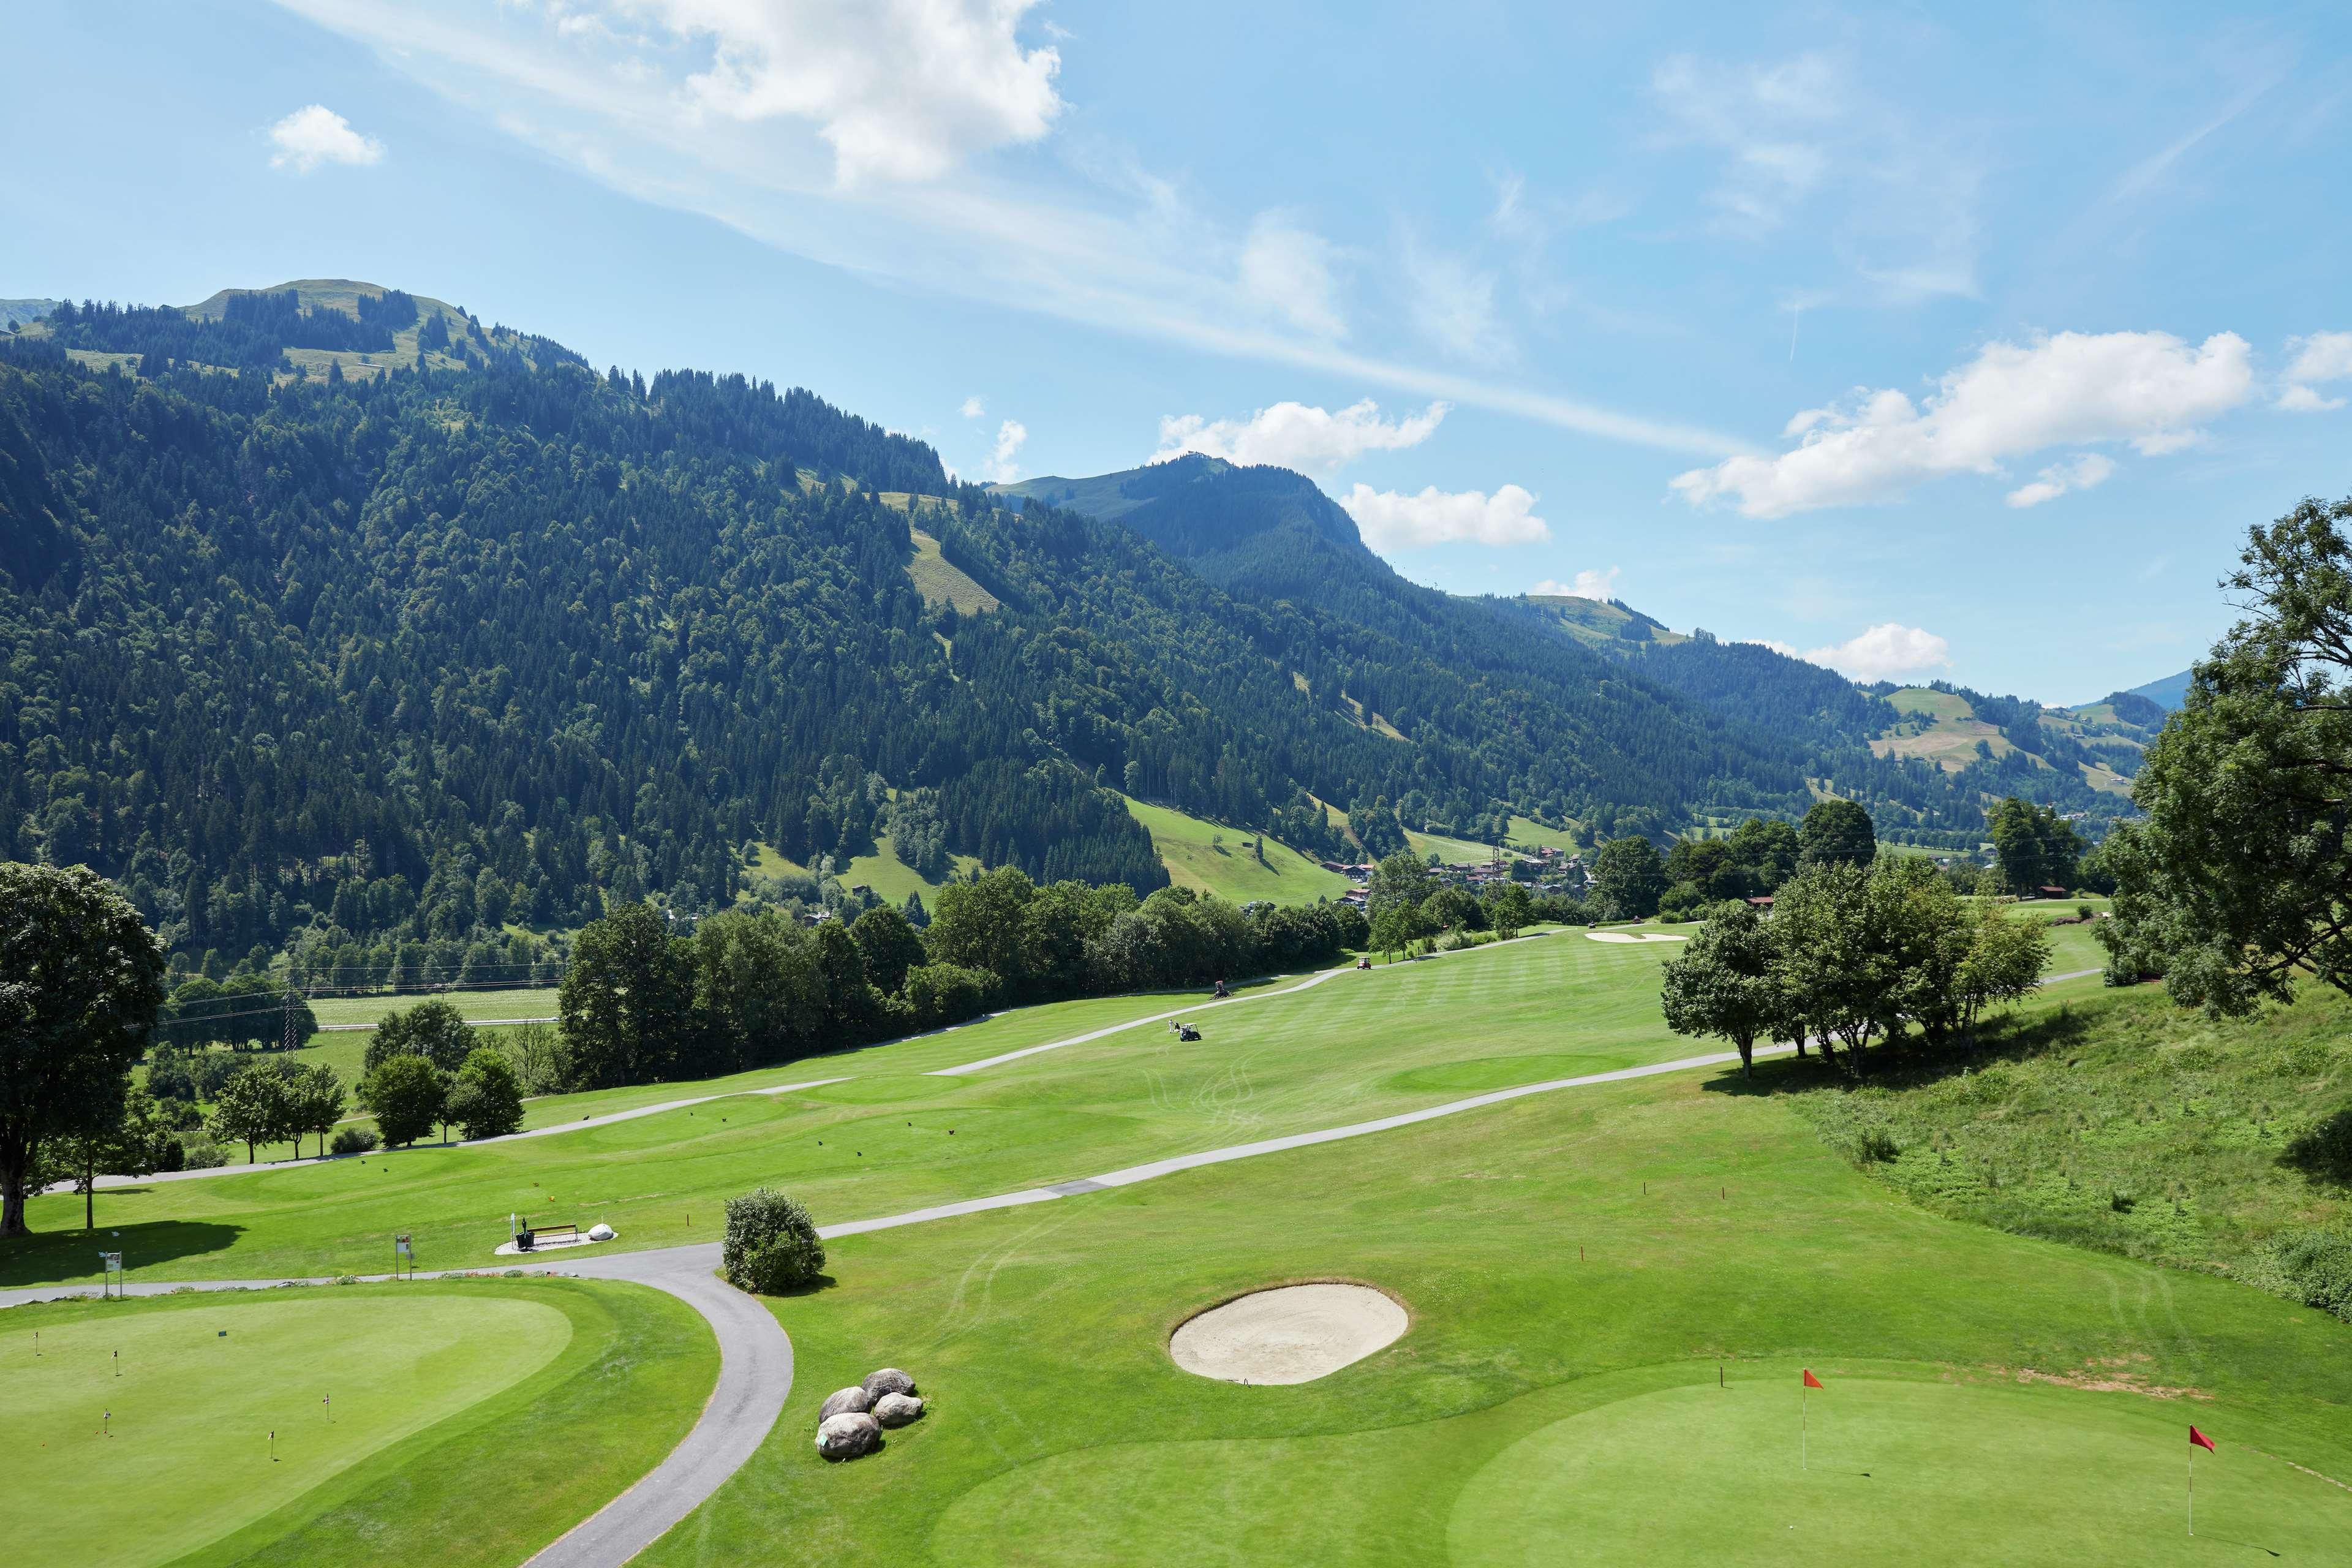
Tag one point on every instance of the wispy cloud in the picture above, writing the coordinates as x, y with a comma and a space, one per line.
2152, 171
1118, 254
1002, 465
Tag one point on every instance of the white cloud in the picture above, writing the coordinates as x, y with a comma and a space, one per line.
972, 407
2077, 474
899, 89
1588, 584
1881, 653
1390, 521
2321, 357
1001, 467
316, 135
1286, 269
1295, 436
2149, 389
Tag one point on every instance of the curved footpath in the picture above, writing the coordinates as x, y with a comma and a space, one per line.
755, 1358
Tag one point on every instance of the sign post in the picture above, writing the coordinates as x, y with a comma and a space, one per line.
404, 1255
109, 1269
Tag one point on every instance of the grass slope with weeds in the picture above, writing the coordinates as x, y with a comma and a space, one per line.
2124, 1124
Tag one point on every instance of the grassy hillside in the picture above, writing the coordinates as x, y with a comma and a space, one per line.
892, 878
2135, 1127
941, 581
1221, 861
1601, 623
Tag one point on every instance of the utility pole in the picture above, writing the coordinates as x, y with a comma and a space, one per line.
288, 1041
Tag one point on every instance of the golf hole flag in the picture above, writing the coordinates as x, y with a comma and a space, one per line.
1805, 1419
2196, 1440
1812, 1382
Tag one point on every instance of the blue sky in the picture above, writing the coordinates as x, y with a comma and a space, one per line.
1963, 345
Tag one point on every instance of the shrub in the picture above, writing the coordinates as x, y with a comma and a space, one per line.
1877, 1146
202, 1153
354, 1140
771, 1245
2316, 1265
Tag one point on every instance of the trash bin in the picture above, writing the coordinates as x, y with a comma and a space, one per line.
523, 1240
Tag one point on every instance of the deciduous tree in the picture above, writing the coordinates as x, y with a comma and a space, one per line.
80, 979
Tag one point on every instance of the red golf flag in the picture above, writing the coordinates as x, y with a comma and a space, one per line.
2202, 1441
1812, 1382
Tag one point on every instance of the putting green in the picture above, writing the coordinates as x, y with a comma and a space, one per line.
1907, 1468
200, 1389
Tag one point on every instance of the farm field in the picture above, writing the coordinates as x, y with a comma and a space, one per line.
474, 1420
1452, 850
503, 1001
892, 878
1212, 859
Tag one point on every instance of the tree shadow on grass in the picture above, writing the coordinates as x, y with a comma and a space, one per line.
1913, 1062
822, 1283
2323, 1151
51, 1257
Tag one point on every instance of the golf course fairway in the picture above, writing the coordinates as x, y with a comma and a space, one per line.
470, 1420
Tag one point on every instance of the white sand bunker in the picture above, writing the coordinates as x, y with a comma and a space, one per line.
1632, 936
1295, 1334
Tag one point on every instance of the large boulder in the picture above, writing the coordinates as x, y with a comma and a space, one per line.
849, 1434
853, 1400
897, 1409
600, 1233
889, 1380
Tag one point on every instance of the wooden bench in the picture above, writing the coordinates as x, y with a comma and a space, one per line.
528, 1240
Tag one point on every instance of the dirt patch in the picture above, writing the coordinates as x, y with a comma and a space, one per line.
1296, 1333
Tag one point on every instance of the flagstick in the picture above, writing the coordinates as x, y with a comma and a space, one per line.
1804, 1428
2193, 1489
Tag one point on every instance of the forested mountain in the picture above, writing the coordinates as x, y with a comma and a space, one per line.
304, 634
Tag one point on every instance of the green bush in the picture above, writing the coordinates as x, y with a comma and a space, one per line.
771, 1245
1877, 1146
353, 1141
199, 1151
2317, 1268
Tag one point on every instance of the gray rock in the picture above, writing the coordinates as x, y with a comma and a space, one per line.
853, 1400
600, 1233
849, 1434
889, 1380
897, 1409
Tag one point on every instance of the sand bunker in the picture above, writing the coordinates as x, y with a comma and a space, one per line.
1295, 1334
1632, 936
